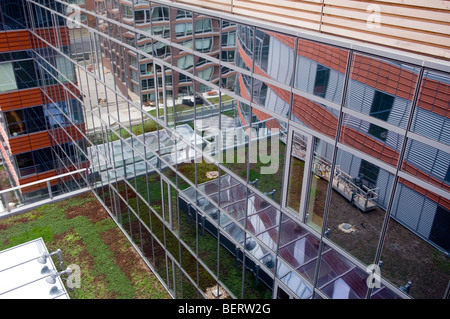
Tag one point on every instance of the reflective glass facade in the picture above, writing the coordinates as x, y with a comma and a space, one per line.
252, 163
40, 121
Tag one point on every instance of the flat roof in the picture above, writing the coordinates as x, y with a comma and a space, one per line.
23, 277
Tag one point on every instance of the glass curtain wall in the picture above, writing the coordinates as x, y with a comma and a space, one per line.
248, 163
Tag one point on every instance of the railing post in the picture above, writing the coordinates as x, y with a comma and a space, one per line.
49, 190
5, 200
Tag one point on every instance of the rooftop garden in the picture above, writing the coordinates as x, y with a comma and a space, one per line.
80, 226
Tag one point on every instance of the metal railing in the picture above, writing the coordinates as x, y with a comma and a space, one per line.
5, 203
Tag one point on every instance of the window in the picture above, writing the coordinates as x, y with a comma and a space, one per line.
182, 78
127, 12
15, 122
17, 75
447, 175
161, 50
206, 74
142, 16
321, 81
65, 68
13, 15
146, 68
203, 25
35, 162
181, 14
262, 46
150, 97
56, 114
380, 109
185, 62
161, 31
134, 75
168, 80
368, 174
148, 84
160, 14
146, 47
229, 39
183, 29
441, 228
226, 24
25, 164
381, 105
228, 56
7, 78
77, 111
185, 90
203, 44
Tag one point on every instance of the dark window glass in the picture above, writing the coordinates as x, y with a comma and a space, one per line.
34, 119
379, 132
140, 15
13, 14
77, 112
321, 81
43, 160
183, 14
381, 105
25, 164
447, 176
160, 14
368, 174
5, 56
441, 228
381, 108
15, 122
25, 74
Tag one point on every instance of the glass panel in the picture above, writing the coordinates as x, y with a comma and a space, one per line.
361, 191
339, 278
299, 250
298, 163
417, 238
318, 188
16, 122
228, 41
271, 97
267, 154
320, 69
371, 139
25, 74
431, 116
317, 116
7, 78
274, 56
381, 88
428, 163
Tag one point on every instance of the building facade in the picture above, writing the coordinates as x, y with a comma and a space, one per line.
40, 120
248, 159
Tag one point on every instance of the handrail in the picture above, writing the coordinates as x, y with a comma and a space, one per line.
42, 181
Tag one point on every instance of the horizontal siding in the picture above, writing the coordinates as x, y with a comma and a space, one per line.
14, 40
31, 97
34, 141
25, 40
414, 25
20, 99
